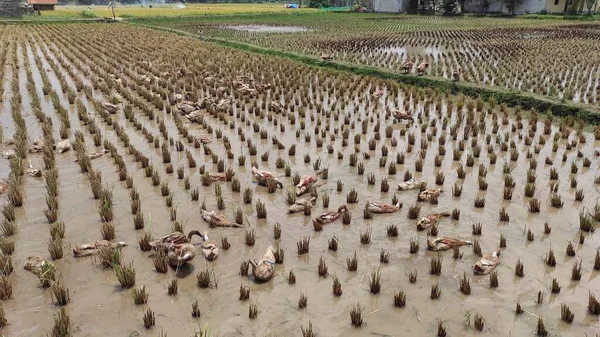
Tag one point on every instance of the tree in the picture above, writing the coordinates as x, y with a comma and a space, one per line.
511, 5
590, 4
486, 5
413, 6
449, 7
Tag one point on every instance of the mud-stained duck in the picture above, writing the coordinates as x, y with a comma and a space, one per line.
110, 108
217, 220
428, 195
326, 57
445, 243
380, 207
180, 254
377, 94
487, 263
402, 115
331, 216
428, 220
35, 264
92, 248
63, 146
410, 184
209, 248
34, 172
422, 67
307, 181
263, 176
263, 269
456, 74
218, 176
301, 204
37, 146
408, 64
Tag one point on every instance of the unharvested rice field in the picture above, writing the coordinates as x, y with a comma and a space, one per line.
164, 10
552, 58
126, 134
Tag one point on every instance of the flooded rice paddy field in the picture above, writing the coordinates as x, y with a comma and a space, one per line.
533, 56
121, 88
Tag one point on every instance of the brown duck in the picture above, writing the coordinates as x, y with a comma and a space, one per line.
428, 220
92, 248
381, 207
422, 67
331, 216
408, 64
180, 254
175, 238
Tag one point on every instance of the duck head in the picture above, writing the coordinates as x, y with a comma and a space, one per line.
192, 233
121, 244
342, 209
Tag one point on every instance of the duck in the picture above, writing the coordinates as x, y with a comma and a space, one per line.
217, 176
402, 115
63, 146
326, 57
456, 74
36, 264
377, 94
94, 155
408, 64
381, 207
410, 184
263, 269
180, 254
33, 172
110, 108
9, 154
487, 263
263, 176
3, 186
205, 139
331, 216
92, 248
427, 195
301, 204
307, 181
187, 107
209, 248
37, 146
445, 243
428, 220
422, 67
175, 238
217, 220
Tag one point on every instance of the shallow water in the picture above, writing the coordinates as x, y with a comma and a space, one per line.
100, 307
268, 29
